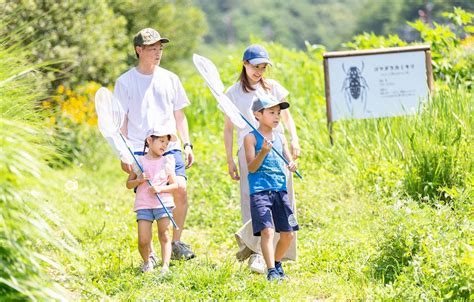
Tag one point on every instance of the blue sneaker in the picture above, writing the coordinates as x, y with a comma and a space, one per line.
280, 271
273, 275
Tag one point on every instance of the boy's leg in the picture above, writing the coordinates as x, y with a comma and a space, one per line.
267, 247
283, 245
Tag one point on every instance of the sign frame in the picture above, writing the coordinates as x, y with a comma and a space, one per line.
369, 52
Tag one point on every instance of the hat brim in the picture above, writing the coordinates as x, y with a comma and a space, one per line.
257, 61
162, 40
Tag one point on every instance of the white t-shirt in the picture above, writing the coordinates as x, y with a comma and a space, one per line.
243, 101
148, 100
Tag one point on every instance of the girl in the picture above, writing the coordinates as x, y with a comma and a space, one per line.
159, 170
251, 85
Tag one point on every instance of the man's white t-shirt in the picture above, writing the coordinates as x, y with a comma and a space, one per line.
243, 101
149, 100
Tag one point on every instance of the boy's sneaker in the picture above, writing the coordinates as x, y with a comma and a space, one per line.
147, 267
181, 250
153, 259
273, 275
257, 263
280, 271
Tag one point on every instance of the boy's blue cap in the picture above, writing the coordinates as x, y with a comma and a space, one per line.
268, 102
256, 54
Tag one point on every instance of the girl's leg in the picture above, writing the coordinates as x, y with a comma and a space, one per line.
144, 238
267, 246
165, 242
283, 245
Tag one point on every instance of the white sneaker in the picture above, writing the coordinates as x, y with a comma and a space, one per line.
257, 263
147, 267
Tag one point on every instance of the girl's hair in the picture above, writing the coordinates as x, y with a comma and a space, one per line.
153, 137
245, 83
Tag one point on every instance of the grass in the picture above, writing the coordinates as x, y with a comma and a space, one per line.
369, 228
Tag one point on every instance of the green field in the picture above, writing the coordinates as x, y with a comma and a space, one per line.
385, 214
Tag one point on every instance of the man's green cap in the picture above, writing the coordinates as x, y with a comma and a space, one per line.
148, 36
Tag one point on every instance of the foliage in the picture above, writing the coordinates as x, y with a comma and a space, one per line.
317, 21
87, 35
73, 125
23, 223
452, 57
181, 22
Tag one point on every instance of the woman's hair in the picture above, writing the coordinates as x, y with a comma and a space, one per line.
245, 83
153, 137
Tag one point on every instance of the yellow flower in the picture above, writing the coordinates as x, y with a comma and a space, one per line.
46, 104
60, 89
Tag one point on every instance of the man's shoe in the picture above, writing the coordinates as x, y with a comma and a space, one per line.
257, 263
181, 251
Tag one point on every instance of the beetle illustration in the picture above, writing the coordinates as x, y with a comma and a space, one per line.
355, 86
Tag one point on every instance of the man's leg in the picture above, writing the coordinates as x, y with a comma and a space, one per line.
181, 202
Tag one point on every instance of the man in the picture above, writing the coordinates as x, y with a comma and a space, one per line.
151, 95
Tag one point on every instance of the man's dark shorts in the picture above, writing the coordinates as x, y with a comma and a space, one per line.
180, 168
272, 209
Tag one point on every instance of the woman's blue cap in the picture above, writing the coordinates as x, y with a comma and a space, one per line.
256, 54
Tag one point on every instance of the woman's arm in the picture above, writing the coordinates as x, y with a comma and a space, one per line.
228, 143
290, 126
287, 155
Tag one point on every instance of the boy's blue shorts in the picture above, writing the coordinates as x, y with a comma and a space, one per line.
272, 209
153, 214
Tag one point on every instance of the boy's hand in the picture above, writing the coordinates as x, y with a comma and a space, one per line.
266, 146
292, 166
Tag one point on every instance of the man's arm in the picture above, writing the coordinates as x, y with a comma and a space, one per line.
183, 130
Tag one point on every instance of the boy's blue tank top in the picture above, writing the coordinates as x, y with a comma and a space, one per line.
270, 176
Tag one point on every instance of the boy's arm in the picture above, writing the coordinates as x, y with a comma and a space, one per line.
255, 161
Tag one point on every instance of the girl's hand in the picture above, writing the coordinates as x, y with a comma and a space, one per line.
155, 189
292, 166
266, 146
233, 172
142, 178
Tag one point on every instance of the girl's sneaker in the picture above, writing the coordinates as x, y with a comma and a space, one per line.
147, 267
153, 259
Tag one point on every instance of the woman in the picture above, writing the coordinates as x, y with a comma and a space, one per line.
250, 85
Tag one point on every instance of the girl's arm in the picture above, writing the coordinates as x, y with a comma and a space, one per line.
134, 180
290, 126
228, 142
169, 188
254, 162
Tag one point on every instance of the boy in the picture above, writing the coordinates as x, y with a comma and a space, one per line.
269, 205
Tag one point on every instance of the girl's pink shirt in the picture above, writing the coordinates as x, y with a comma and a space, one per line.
158, 170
